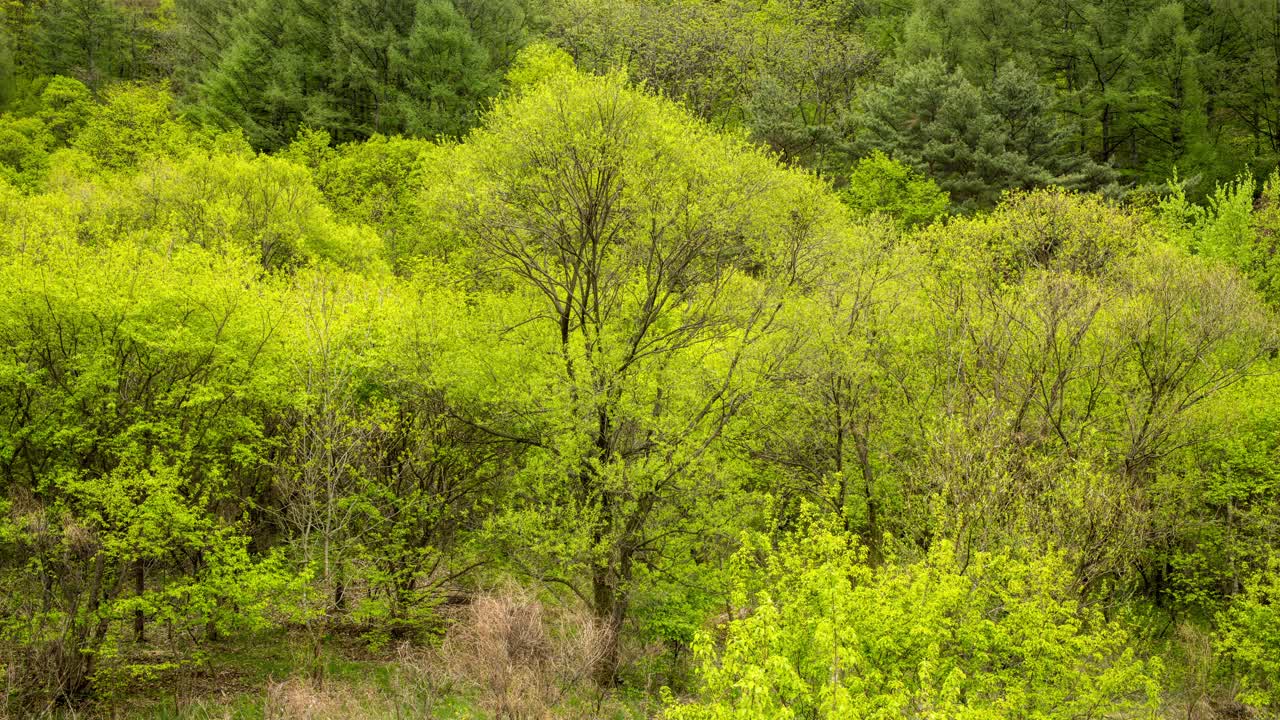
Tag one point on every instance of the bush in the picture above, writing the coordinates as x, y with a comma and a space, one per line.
1249, 637
818, 633
880, 184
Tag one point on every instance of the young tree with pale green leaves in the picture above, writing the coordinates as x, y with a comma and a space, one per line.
637, 264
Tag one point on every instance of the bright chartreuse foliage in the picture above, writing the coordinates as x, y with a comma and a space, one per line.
142, 385
878, 184
820, 633
1250, 637
681, 359
623, 238
1237, 225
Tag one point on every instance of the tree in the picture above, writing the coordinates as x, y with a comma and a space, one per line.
379, 487
849, 404
274, 75
448, 75
134, 393
65, 106
1250, 637
1245, 38
975, 144
267, 206
787, 71
1136, 82
203, 31
24, 151
83, 38
1173, 123
878, 184
1231, 227
638, 263
1079, 347
376, 183
134, 122
355, 68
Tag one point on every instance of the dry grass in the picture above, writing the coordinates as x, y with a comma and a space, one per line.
523, 659
299, 699
507, 656
303, 699
416, 690
1196, 692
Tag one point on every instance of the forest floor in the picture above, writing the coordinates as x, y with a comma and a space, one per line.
278, 675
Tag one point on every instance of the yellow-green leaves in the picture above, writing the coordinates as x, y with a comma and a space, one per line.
988, 636
631, 267
1250, 636
267, 206
536, 63
134, 123
879, 184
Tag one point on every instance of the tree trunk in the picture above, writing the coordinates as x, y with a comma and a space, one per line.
873, 508
340, 590
139, 587
608, 610
76, 662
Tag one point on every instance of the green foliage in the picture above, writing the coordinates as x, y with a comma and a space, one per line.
1046, 230
1140, 87
1250, 637
133, 123
24, 151
621, 240
268, 206
1095, 347
786, 71
98, 41
1222, 229
1263, 264
816, 632
82, 37
381, 484
878, 184
66, 105
1216, 504
447, 72
615, 337
976, 143
356, 68
141, 380
375, 183
1141, 83
1237, 226
537, 62
8, 64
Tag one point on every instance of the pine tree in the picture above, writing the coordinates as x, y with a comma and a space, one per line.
353, 68
1037, 145
203, 31
1174, 121
447, 74
272, 80
81, 38
368, 39
976, 144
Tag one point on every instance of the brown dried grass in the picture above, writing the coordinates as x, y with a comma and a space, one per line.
523, 658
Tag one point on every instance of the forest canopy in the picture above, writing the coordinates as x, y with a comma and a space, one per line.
626, 358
